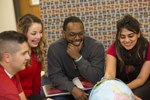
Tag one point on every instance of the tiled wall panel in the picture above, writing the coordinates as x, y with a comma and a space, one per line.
99, 17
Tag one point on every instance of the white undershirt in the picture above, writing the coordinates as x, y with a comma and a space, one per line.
10, 76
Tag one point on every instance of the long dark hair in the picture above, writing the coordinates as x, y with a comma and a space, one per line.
131, 24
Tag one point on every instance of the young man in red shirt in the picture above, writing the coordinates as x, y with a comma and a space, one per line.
13, 57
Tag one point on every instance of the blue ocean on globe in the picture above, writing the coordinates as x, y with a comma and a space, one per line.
111, 90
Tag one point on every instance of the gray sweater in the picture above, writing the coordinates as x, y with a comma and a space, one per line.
61, 67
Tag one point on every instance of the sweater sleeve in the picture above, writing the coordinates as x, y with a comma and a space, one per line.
37, 80
92, 68
55, 71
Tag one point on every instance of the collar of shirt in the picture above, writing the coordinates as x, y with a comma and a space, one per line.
10, 76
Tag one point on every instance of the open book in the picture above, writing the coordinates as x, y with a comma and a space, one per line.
80, 82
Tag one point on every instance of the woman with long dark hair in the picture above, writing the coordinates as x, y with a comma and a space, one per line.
128, 58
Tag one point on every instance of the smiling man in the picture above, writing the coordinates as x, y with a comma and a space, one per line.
72, 56
13, 57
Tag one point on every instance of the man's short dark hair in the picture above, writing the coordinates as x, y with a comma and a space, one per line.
9, 41
13, 36
71, 19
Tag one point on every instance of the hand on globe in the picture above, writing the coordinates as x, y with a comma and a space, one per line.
135, 97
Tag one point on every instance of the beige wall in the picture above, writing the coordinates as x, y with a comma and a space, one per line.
7, 16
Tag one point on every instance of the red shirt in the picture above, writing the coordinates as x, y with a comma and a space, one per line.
30, 77
111, 51
9, 88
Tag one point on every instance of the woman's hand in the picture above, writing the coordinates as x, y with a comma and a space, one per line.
136, 97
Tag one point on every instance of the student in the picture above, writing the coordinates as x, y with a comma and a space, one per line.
30, 78
74, 55
129, 57
13, 57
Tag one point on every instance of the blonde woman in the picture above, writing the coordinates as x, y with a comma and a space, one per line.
30, 78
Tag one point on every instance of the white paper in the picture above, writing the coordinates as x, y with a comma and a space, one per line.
77, 82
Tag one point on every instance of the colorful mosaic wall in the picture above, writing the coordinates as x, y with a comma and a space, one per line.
98, 16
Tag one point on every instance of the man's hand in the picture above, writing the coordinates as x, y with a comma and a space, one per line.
135, 97
79, 94
74, 51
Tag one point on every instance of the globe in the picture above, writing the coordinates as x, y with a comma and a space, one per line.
113, 89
